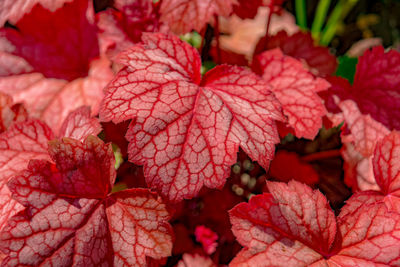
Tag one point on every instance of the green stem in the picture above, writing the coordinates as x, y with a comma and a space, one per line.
322, 10
338, 14
301, 13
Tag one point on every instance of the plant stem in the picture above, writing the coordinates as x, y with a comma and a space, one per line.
322, 155
322, 10
340, 11
301, 13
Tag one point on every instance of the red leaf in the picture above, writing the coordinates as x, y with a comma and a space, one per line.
301, 46
299, 170
296, 89
22, 142
207, 238
183, 16
187, 131
387, 165
71, 219
247, 8
120, 29
292, 225
196, 260
63, 50
376, 86
296, 227
78, 124
13, 10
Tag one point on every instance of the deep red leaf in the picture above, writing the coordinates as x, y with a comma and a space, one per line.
119, 29
186, 130
376, 86
72, 219
63, 50
294, 226
301, 46
299, 170
247, 8
296, 89
183, 16
13, 10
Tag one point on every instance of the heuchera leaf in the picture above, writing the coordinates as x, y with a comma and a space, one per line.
57, 51
51, 100
22, 142
294, 226
119, 29
296, 89
13, 10
28, 140
301, 46
376, 86
71, 219
79, 124
363, 133
183, 16
299, 170
186, 130
247, 8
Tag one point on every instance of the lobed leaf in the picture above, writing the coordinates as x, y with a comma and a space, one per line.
186, 130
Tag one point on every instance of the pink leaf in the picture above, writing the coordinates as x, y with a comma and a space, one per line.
13, 10
386, 164
294, 226
296, 89
52, 100
183, 16
78, 124
186, 131
22, 142
359, 144
71, 219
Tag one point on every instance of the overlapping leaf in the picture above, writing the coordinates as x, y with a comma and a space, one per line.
294, 226
186, 130
36, 54
301, 46
359, 141
28, 140
183, 16
376, 86
70, 217
10, 112
296, 89
13, 10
